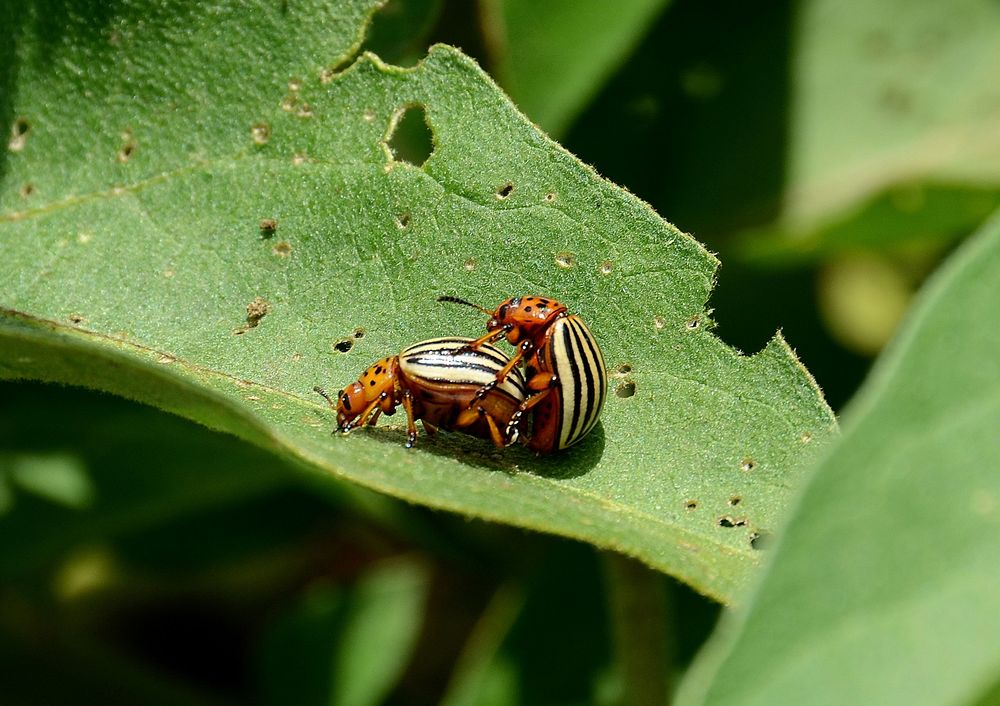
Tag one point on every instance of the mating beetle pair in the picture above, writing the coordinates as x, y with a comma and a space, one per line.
470, 386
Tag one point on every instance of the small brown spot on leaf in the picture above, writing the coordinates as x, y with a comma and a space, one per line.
260, 133
76, 318
282, 248
735, 500
27, 190
606, 267
470, 264
659, 322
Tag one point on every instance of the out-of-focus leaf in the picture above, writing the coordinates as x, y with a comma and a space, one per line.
552, 57
883, 587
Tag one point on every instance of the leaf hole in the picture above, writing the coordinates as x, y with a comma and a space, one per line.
659, 322
268, 226
625, 389
747, 464
410, 138
504, 191
623, 369
806, 437
76, 318
27, 189
260, 133
727, 521
344, 345
694, 323
549, 197
606, 267
403, 220
469, 264
760, 539
19, 130
565, 260
359, 333
691, 505
735, 500
282, 249
126, 151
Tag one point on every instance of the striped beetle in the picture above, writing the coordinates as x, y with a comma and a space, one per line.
439, 382
567, 379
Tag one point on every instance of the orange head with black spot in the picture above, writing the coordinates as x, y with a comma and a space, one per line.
524, 318
377, 383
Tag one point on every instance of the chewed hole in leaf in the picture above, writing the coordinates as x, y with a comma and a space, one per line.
691, 505
504, 191
402, 220
27, 190
565, 260
727, 521
19, 134
410, 137
283, 249
344, 345
735, 500
470, 264
760, 539
747, 465
268, 226
623, 369
359, 333
625, 389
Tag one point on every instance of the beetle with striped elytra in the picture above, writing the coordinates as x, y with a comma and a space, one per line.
564, 368
439, 382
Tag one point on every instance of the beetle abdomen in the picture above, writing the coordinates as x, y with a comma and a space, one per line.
576, 359
436, 361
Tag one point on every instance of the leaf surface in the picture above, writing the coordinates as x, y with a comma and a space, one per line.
883, 588
158, 138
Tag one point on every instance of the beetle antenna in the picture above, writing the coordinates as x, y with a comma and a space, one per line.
456, 300
326, 397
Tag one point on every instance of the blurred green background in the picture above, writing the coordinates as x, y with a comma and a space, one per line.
827, 153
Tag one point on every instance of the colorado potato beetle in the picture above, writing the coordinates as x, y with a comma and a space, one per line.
564, 368
439, 382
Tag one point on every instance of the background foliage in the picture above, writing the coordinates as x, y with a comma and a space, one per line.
831, 154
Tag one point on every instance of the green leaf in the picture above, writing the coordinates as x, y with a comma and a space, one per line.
553, 57
883, 588
385, 617
158, 139
895, 109
347, 646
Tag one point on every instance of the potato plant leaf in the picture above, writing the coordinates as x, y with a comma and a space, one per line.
201, 208
883, 587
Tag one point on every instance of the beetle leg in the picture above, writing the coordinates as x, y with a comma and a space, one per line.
522, 350
535, 399
360, 419
542, 382
490, 337
428, 427
467, 416
411, 423
498, 439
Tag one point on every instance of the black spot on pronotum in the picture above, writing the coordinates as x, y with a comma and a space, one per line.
410, 137
625, 389
344, 345
505, 191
